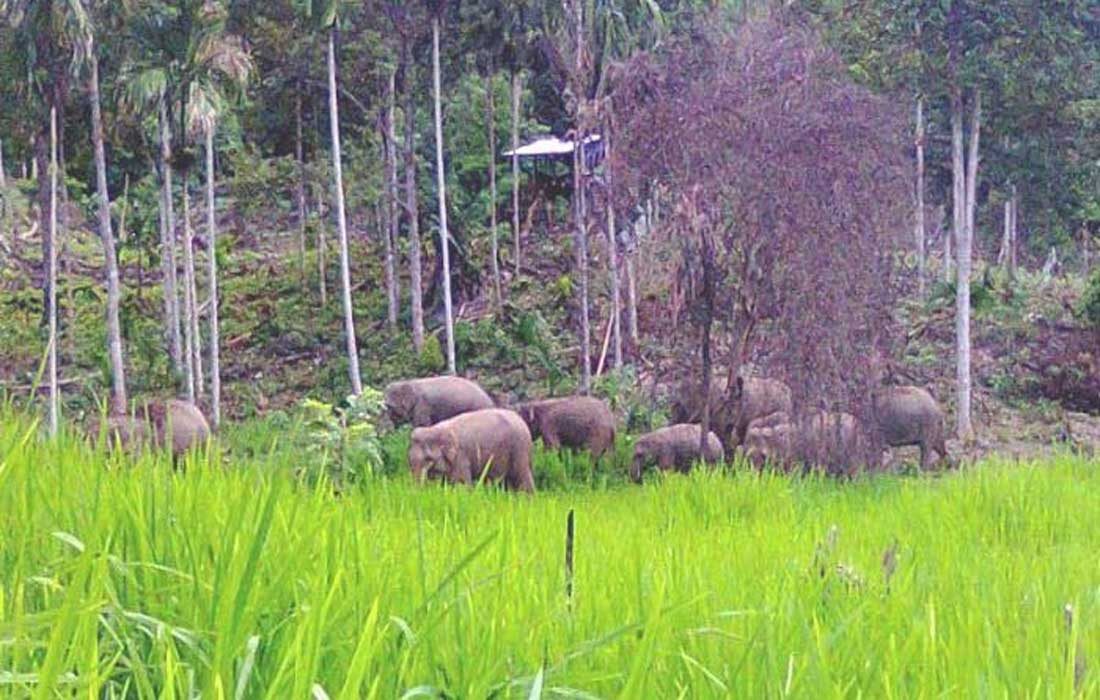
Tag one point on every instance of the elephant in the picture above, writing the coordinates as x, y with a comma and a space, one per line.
577, 422
424, 402
460, 448
831, 442
180, 421
732, 412
908, 415
674, 447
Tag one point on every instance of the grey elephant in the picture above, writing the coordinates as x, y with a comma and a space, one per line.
576, 422
427, 401
674, 447
458, 449
834, 443
733, 411
908, 415
157, 423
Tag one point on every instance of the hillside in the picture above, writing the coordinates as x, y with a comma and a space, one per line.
1035, 364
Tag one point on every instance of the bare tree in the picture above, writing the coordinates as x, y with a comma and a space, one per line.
441, 185
192, 339
299, 159
412, 210
341, 218
389, 235
613, 257
516, 90
114, 294
168, 245
212, 235
799, 178
920, 198
965, 177
51, 265
490, 118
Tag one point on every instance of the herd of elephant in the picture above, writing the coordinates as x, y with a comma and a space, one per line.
460, 435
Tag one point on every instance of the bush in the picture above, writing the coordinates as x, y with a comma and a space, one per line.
347, 434
431, 355
1088, 309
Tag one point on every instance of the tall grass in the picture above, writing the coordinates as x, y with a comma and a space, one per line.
124, 577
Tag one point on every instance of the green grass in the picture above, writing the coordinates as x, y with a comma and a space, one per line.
126, 578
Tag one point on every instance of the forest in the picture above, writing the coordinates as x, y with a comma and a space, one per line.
782, 317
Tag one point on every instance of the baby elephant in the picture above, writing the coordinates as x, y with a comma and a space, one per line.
179, 421
908, 415
675, 447
731, 412
577, 422
831, 442
460, 448
427, 401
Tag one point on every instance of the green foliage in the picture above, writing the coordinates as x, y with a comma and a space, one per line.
1088, 309
348, 433
431, 358
143, 581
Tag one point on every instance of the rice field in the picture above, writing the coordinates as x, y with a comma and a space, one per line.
229, 578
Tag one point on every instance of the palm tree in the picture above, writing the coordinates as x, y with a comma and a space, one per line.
327, 12
114, 332
185, 67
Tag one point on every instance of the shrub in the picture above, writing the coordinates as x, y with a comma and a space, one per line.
431, 355
1088, 309
348, 432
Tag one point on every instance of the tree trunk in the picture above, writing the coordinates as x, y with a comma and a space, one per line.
515, 167
168, 246
707, 254
631, 300
416, 289
192, 341
3, 175
579, 206
114, 329
51, 282
442, 187
1015, 229
490, 110
322, 250
389, 235
341, 220
961, 177
613, 261
920, 198
212, 235
299, 156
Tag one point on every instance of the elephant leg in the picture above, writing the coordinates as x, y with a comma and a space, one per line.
460, 473
519, 476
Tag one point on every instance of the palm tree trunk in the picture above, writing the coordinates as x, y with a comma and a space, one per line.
962, 227
515, 166
192, 340
299, 157
212, 235
441, 185
341, 220
920, 198
389, 235
631, 300
114, 329
490, 109
579, 206
416, 291
613, 261
51, 308
168, 247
